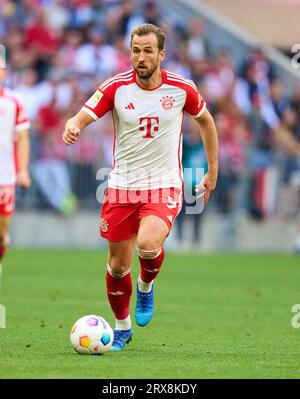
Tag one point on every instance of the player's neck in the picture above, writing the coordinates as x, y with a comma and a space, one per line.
154, 81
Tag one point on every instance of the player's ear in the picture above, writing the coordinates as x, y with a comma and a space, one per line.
162, 54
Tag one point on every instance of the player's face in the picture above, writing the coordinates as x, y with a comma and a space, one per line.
145, 55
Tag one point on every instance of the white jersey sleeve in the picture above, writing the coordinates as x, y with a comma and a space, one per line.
103, 99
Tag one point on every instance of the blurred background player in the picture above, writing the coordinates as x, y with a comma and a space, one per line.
145, 186
14, 157
287, 138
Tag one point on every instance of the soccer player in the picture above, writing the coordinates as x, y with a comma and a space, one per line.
144, 192
14, 157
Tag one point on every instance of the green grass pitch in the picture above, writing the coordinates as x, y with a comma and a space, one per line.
216, 316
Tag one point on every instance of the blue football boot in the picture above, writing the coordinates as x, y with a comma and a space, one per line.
144, 307
121, 338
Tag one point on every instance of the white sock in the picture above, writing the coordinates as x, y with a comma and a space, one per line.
124, 324
144, 287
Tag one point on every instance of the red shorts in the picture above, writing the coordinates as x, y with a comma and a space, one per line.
122, 210
7, 200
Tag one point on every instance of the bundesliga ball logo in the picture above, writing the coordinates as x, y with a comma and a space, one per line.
167, 102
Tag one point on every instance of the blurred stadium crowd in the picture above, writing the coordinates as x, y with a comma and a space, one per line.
59, 51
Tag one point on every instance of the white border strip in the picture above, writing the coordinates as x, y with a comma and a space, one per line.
89, 112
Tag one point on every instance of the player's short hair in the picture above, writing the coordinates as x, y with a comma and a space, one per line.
145, 29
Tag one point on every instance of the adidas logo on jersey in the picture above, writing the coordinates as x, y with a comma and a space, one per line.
130, 106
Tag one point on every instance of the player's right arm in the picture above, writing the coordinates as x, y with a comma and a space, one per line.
22, 145
101, 102
75, 126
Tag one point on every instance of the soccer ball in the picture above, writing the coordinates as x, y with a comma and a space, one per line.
91, 335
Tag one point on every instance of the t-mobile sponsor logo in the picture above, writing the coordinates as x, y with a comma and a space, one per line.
150, 125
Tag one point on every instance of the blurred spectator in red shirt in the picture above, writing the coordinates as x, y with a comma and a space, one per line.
234, 135
39, 37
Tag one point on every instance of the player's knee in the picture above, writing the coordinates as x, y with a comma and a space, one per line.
149, 254
148, 244
2, 240
3, 237
118, 268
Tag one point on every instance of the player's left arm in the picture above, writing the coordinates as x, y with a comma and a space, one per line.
23, 154
209, 137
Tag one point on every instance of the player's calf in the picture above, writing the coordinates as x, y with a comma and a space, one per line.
119, 289
4, 239
151, 262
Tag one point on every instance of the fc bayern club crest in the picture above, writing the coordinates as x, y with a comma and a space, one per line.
167, 102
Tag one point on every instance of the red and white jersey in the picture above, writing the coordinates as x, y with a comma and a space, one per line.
148, 128
12, 120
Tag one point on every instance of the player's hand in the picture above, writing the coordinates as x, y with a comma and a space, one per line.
23, 179
6, 194
70, 135
206, 186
